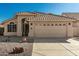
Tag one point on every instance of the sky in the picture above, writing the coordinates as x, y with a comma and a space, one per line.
8, 10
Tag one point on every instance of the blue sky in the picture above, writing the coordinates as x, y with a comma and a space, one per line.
8, 10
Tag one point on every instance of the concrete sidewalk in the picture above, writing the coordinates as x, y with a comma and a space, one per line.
56, 49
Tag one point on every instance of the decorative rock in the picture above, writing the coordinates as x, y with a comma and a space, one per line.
17, 50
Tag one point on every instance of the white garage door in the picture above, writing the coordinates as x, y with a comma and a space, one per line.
50, 31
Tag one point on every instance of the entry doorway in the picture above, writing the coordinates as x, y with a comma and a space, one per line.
25, 27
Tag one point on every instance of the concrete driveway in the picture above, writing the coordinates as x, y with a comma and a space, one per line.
56, 47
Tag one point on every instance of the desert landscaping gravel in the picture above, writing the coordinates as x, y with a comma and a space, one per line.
6, 47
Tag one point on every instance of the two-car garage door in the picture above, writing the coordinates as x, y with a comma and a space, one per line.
50, 31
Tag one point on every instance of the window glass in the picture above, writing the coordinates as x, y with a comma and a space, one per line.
11, 27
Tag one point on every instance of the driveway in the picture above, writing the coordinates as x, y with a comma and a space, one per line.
56, 47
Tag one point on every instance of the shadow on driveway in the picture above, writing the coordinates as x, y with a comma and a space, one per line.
50, 40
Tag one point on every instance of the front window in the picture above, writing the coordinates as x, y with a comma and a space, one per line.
11, 27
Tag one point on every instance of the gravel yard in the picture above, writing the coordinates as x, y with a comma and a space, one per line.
6, 47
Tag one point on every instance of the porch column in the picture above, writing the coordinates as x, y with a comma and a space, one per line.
70, 29
19, 27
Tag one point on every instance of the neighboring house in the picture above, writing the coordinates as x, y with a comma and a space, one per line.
42, 25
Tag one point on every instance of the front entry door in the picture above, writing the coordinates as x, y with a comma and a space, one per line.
25, 28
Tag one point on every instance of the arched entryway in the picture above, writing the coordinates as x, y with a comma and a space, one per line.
25, 27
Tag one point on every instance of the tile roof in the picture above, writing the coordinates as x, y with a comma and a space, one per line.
44, 16
52, 17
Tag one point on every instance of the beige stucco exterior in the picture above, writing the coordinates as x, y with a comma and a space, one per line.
75, 24
6, 33
45, 25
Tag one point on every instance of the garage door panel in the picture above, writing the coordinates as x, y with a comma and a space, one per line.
58, 31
